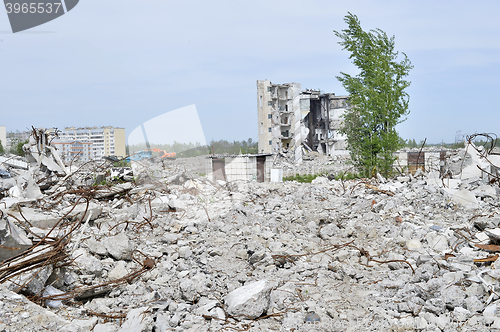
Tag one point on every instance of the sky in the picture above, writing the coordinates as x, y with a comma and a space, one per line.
123, 62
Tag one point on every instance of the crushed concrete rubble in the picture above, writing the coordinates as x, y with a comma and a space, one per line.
179, 252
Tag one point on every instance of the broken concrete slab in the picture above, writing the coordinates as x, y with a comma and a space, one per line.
249, 301
118, 246
13, 240
137, 321
76, 212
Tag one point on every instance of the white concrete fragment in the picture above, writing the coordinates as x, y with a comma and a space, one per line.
86, 262
12, 239
38, 219
49, 290
482, 237
437, 241
118, 246
119, 271
96, 247
107, 327
490, 310
249, 301
32, 190
462, 196
94, 210
413, 244
137, 320
493, 233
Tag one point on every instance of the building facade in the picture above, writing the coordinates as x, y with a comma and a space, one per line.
322, 115
90, 143
278, 116
3, 137
70, 151
13, 138
290, 120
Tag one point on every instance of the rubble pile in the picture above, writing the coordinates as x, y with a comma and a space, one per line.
172, 251
315, 163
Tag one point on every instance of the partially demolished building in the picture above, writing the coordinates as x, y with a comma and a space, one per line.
291, 120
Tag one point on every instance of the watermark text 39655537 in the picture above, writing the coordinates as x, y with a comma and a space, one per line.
26, 14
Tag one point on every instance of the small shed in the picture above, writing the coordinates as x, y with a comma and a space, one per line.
251, 167
427, 161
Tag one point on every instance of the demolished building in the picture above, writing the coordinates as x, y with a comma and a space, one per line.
292, 121
166, 250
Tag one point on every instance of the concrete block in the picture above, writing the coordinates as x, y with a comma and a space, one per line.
12, 239
249, 301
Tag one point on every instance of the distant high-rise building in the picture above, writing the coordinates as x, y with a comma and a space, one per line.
90, 143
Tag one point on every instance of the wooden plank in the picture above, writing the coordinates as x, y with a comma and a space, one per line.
487, 259
489, 247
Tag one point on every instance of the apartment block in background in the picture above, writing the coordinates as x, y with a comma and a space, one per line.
91, 143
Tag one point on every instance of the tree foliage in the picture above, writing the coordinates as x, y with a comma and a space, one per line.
2, 151
378, 101
17, 149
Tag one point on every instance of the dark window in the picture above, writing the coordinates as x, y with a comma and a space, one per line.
269, 129
270, 142
269, 116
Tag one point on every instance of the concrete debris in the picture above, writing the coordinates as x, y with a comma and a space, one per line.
249, 301
167, 249
13, 239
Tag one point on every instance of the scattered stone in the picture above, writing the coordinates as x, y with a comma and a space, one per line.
249, 301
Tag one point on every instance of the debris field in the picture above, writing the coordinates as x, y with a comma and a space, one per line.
156, 247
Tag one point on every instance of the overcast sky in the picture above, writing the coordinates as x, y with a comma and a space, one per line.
124, 62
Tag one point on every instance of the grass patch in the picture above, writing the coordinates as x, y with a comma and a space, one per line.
306, 178
347, 176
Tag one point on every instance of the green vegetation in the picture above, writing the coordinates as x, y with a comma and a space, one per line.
18, 148
306, 178
192, 150
347, 176
487, 144
378, 101
2, 151
121, 163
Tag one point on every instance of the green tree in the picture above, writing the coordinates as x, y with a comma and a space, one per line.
2, 151
378, 101
18, 148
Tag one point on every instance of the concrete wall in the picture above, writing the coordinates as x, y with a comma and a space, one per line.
242, 168
431, 158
